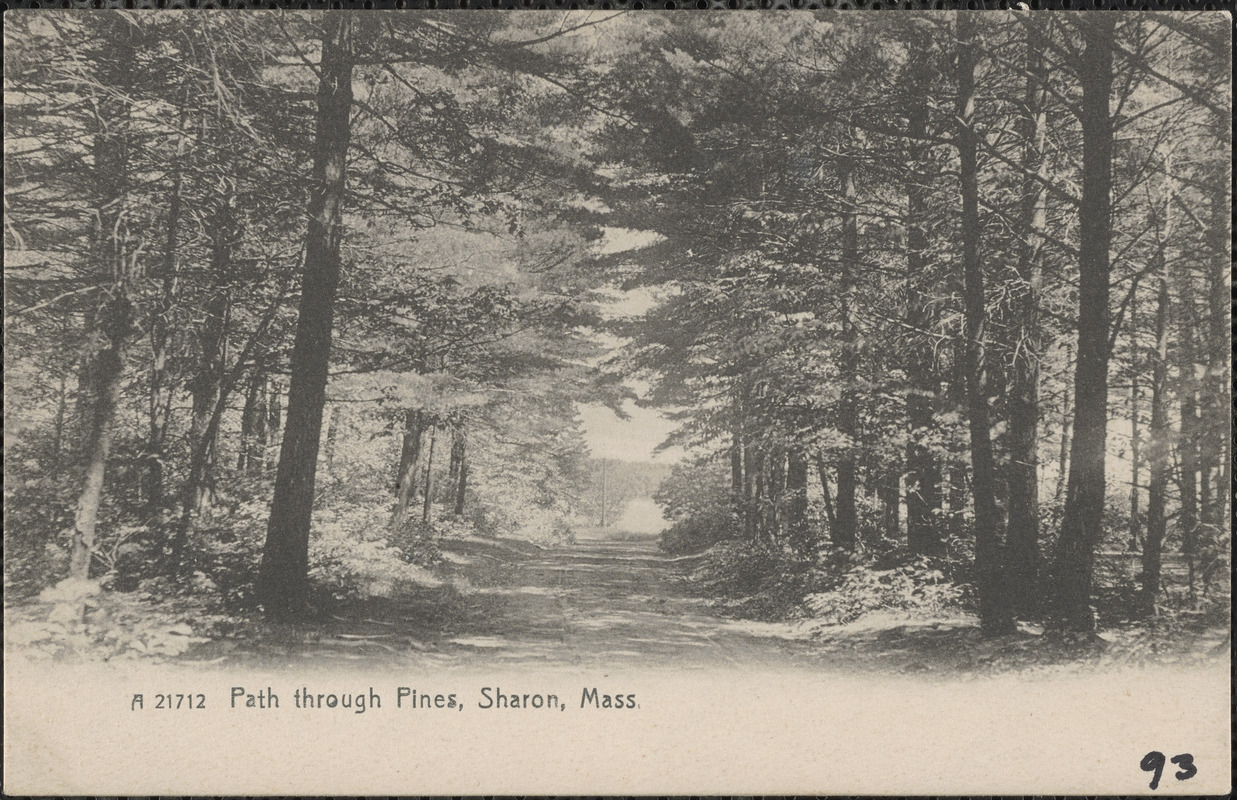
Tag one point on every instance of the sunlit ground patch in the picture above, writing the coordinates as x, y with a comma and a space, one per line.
479, 641
770, 630
539, 591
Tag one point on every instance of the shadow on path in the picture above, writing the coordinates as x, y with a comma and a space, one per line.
594, 604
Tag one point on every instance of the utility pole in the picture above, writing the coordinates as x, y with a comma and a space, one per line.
603, 493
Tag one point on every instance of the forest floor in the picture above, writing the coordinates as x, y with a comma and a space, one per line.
604, 604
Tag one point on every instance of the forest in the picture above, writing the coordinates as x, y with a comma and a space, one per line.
300, 309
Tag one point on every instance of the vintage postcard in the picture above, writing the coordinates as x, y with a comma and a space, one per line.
617, 402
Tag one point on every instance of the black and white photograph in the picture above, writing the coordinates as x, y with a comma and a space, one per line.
615, 401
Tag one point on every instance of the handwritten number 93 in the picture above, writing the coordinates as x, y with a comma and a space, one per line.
1154, 762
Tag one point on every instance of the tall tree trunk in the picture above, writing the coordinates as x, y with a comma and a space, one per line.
761, 494
160, 399
1157, 452
201, 453
109, 326
406, 473
272, 430
1067, 423
889, 491
1135, 432
105, 383
736, 469
605, 493
955, 396
1022, 403
796, 503
332, 436
750, 500
461, 486
956, 493
1188, 441
205, 386
823, 474
253, 415
1194, 493
456, 463
994, 608
923, 473
1205, 501
62, 408
1217, 405
255, 419
846, 530
283, 578
1083, 524
777, 494
427, 506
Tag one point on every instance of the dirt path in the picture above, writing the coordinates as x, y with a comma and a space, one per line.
603, 604
592, 604
600, 603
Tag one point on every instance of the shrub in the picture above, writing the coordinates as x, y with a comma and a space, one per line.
755, 582
77, 619
697, 534
352, 554
696, 497
918, 589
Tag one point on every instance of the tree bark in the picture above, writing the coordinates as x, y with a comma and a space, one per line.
332, 436
427, 506
1188, 441
1216, 455
461, 486
1194, 493
1022, 403
736, 470
272, 430
109, 326
797, 528
406, 473
923, 472
249, 459
777, 494
890, 492
255, 418
846, 529
104, 381
750, 499
62, 407
160, 399
283, 584
456, 464
213, 340
956, 493
760, 496
1067, 421
1083, 521
1135, 431
201, 453
823, 474
1157, 453
994, 608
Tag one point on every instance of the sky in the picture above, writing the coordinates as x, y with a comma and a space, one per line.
608, 436
627, 440
618, 240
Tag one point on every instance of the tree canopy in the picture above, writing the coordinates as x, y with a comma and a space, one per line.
293, 296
